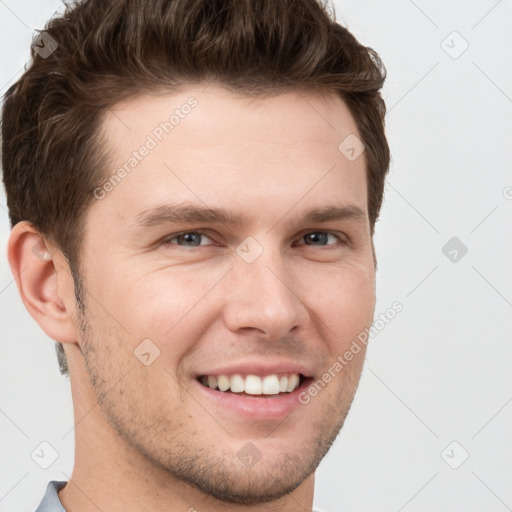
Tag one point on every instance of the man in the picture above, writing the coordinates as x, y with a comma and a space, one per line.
193, 188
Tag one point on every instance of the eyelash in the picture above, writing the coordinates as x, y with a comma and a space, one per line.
166, 241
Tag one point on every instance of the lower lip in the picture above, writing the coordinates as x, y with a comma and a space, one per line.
270, 407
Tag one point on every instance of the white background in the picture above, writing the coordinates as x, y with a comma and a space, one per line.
441, 370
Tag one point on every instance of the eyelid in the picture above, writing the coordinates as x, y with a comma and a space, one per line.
342, 238
166, 239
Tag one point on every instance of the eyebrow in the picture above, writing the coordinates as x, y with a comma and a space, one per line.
187, 213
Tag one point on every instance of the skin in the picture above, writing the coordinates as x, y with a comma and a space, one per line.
146, 439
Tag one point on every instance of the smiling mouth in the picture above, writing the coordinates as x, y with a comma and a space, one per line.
266, 386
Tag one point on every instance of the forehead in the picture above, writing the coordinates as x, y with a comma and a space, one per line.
213, 147
213, 104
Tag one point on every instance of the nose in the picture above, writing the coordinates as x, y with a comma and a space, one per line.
264, 296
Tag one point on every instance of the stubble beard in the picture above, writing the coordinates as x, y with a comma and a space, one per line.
182, 454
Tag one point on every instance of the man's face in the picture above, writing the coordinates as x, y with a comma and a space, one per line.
272, 295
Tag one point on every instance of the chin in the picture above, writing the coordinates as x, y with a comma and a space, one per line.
250, 486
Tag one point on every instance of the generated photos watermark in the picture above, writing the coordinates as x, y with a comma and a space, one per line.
357, 344
152, 140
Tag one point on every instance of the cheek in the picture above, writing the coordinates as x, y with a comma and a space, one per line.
344, 300
174, 307
171, 307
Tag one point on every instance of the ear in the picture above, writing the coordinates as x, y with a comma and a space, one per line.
44, 282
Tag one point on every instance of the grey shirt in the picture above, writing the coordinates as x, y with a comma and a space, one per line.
51, 501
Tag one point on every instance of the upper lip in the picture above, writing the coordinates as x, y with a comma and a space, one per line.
260, 368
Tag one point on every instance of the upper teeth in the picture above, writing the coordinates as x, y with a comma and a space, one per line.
253, 384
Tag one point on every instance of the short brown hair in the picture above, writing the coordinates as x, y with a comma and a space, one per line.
53, 158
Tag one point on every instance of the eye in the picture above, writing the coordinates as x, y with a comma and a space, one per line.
321, 238
186, 239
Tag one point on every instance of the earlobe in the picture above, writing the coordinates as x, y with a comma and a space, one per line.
44, 282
